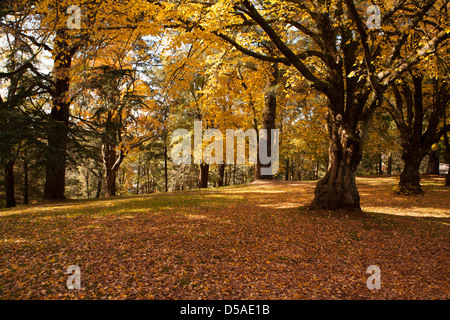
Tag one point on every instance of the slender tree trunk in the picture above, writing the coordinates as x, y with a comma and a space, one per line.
433, 162
26, 183
9, 184
166, 179
287, 169
337, 189
292, 171
138, 174
99, 186
221, 168
88, 192
380, 164
269, 116
317, 169
204, 171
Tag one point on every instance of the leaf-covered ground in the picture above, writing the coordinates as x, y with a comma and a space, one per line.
256, 241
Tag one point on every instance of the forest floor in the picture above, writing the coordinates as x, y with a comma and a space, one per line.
254, 241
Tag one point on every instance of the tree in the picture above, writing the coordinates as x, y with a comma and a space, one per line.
22, 82
343, 60
418, 119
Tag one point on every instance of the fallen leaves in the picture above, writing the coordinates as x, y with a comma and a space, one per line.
245, 242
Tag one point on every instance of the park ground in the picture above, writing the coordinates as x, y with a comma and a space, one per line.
254, 241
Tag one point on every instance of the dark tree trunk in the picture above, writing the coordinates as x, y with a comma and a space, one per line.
55, 169
9, 184
26, 184
410, 177
433, 162
110, 182
293, 171
389, 164
337, 189
447, 178
380, 164
221, 168
204, 171
317, 170
138, 174
99, 186
110, 170
268, 121
166, 179
287, 169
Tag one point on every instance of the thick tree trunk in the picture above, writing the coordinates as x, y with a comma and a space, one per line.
337, 189
204, 171
110, 183
55, 170
110, 170
447, 178
221, 174
389, 164
410, 177
433, 162
9, 184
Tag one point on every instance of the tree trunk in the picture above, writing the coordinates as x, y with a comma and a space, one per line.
55, 169
166, 180
88, 192
221, 174
380, 164
337, 189
111, 171
433, 162
447, 178
110, 183
268, 121
138, 174
389, 164
9, 184
410, 177
293, 171
26, 183
287, 170
317, 170
99, 186
204, 171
